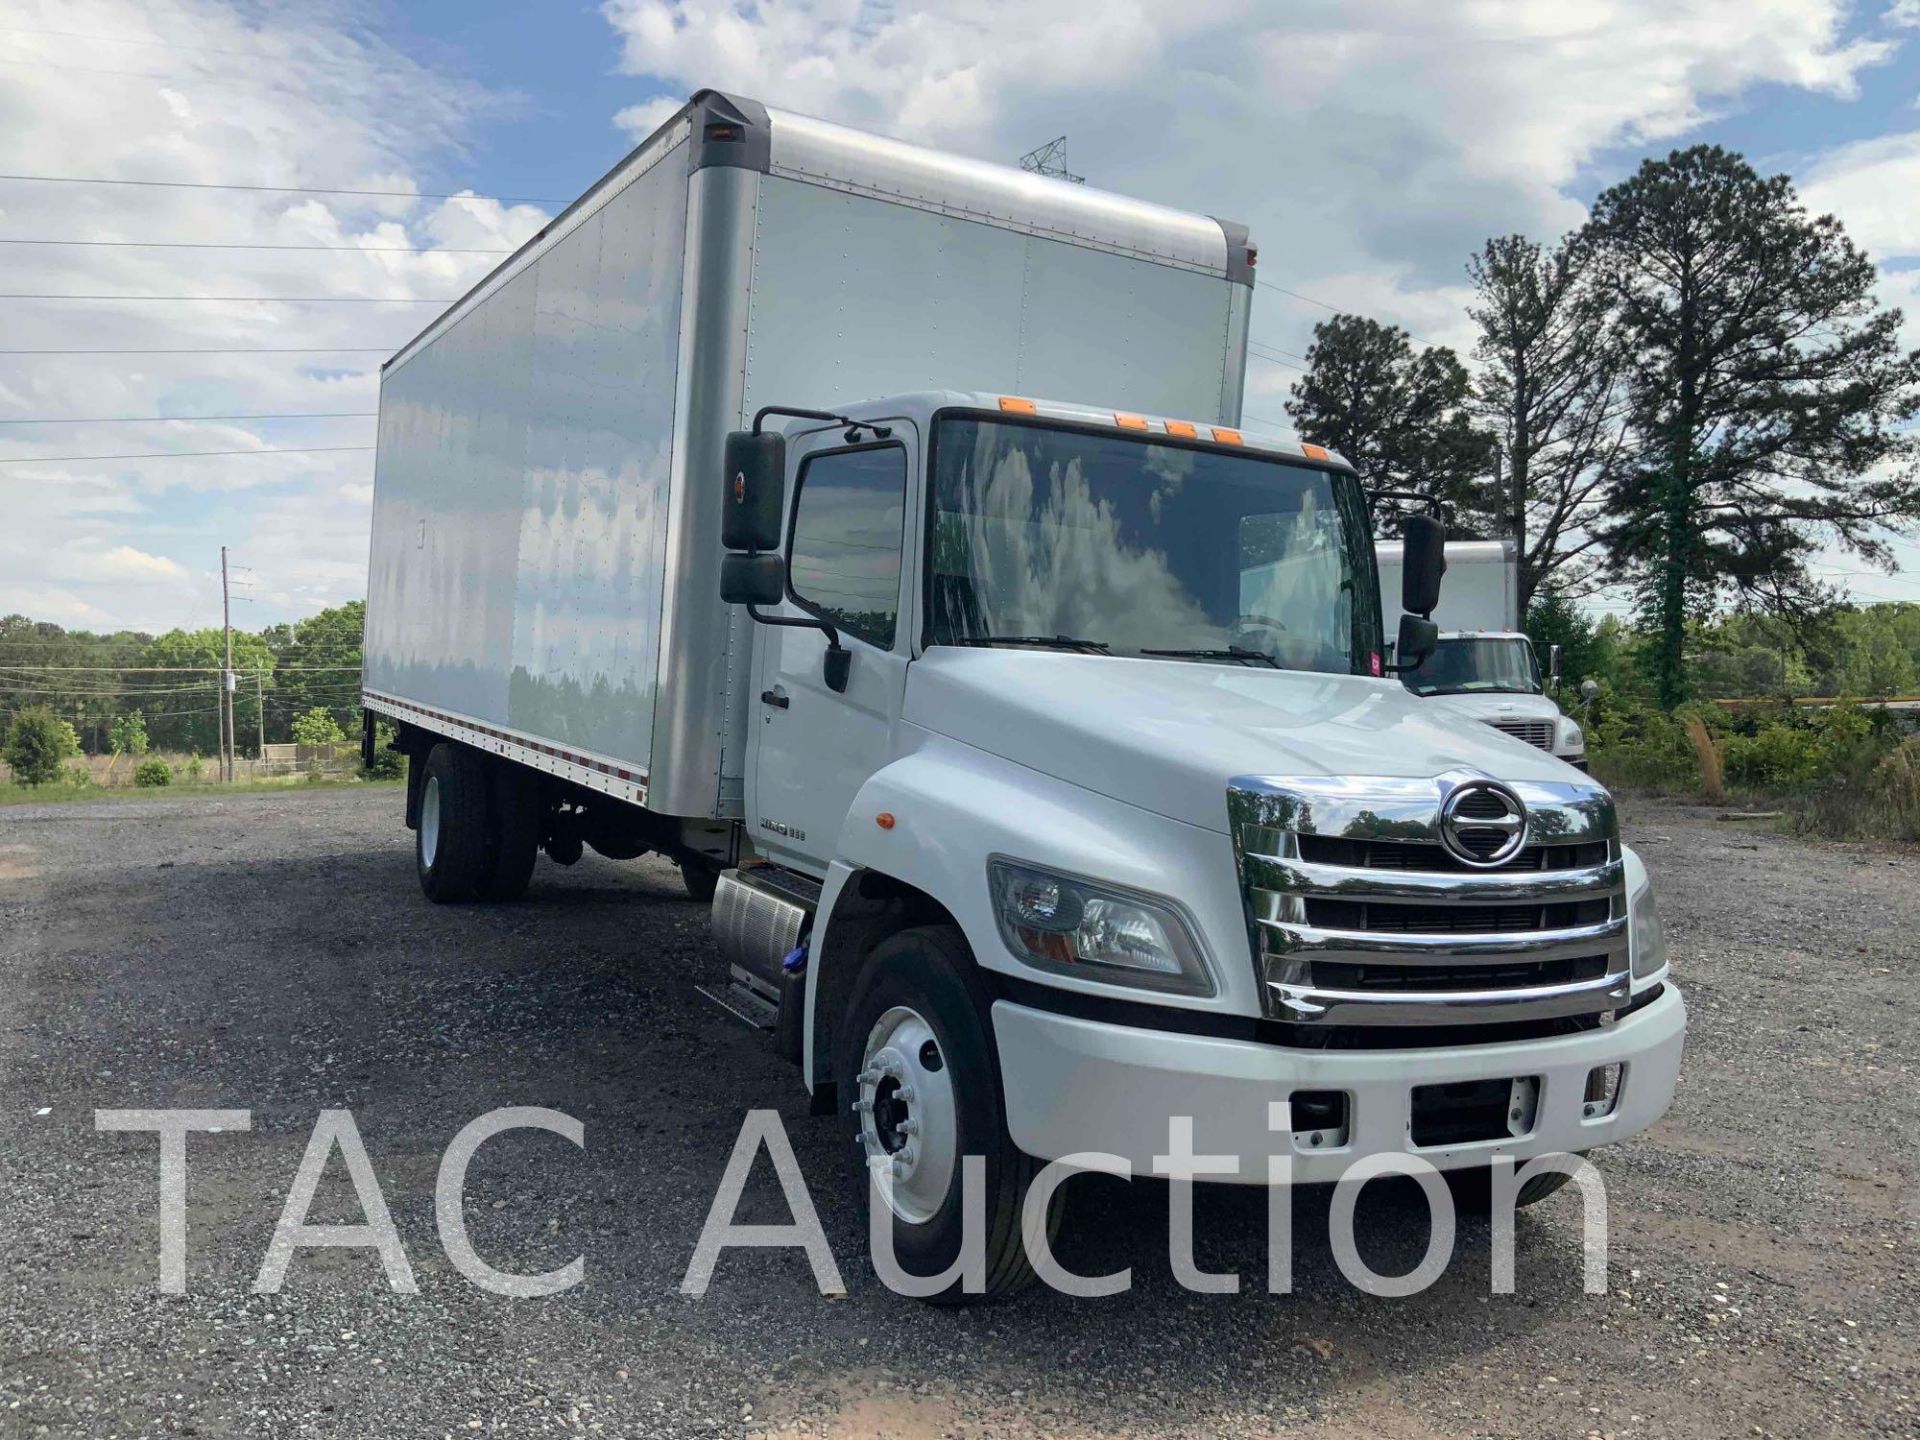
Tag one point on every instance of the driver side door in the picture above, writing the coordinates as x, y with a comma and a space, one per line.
848, 527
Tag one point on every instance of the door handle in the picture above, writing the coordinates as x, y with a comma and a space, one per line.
775, 697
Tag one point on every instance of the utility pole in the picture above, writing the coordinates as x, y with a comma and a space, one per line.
260, 709
226, 676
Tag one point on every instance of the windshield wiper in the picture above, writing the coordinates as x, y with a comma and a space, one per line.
1050, 642
1232, 652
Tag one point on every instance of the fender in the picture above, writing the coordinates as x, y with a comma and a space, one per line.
953, 806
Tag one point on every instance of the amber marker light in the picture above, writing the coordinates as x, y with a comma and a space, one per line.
1226, 436
1014, 405
1129, 422
1182, 430
1315, 452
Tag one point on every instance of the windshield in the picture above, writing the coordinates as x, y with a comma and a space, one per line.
1465, 664
1126, 546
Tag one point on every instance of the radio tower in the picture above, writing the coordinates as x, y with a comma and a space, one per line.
1051, 159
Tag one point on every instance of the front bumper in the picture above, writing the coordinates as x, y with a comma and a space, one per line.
1075, 1086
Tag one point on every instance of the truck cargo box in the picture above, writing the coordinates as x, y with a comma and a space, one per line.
545, 551
1482, 587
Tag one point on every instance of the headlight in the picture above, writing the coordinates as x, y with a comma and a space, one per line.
1646, 937
1071, 926
1572, 739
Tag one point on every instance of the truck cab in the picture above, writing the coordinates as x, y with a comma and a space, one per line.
1087, 713
1483, 666
1494, 676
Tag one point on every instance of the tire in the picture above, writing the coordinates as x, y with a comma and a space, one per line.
928, 974
514, 818
450, 848
700, 877
1473, 1189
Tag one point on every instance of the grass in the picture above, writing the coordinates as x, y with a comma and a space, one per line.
57, 794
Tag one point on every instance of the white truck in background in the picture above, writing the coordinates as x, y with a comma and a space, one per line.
1037, 755
1483, 665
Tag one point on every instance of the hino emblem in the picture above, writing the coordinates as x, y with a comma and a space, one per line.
1483, 824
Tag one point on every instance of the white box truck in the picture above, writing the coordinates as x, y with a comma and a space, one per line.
1483, 666
1036, 753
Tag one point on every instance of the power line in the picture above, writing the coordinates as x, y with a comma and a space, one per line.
181, 669
133, 40
1336, 309
181, 454
155, 419
236, 350
238, 245
260, 299
283, 189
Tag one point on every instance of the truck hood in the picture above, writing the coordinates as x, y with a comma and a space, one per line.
1168, 735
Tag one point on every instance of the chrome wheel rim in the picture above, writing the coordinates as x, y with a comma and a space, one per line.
430, 823
907, 1112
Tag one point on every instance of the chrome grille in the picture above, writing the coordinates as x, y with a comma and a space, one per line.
1534, 732
1359, 915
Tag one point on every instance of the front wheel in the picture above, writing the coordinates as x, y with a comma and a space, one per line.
700, 876
918, 1073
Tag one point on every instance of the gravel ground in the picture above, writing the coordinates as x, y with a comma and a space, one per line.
272, 953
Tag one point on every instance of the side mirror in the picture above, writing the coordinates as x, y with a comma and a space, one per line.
756, 474
1423, 562
753, 579
1418, 636
1553, 667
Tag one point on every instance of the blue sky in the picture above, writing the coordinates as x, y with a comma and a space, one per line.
1370, 144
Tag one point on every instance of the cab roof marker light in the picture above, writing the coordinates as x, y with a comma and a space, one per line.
1014, 405
1225, 436
1182, 429
1129, 422
1315, 452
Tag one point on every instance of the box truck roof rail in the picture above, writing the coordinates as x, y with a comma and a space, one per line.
731, 130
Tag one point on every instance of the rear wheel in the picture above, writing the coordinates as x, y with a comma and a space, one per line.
918, 1071
450, 848
513, 815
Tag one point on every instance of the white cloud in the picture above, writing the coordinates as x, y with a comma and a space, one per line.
1370, 146
1872, 186
97, 563
301, 97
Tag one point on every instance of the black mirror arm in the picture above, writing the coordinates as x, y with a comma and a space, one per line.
800, 622
838, 663
880, 432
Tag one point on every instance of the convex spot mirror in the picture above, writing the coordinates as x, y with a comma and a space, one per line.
753, 579
1418, 636
1423, 561
756, 472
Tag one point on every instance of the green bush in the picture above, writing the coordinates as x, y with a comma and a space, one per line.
387, 765
76, 777
153, 772
37, 743
317, 727
1779, 757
